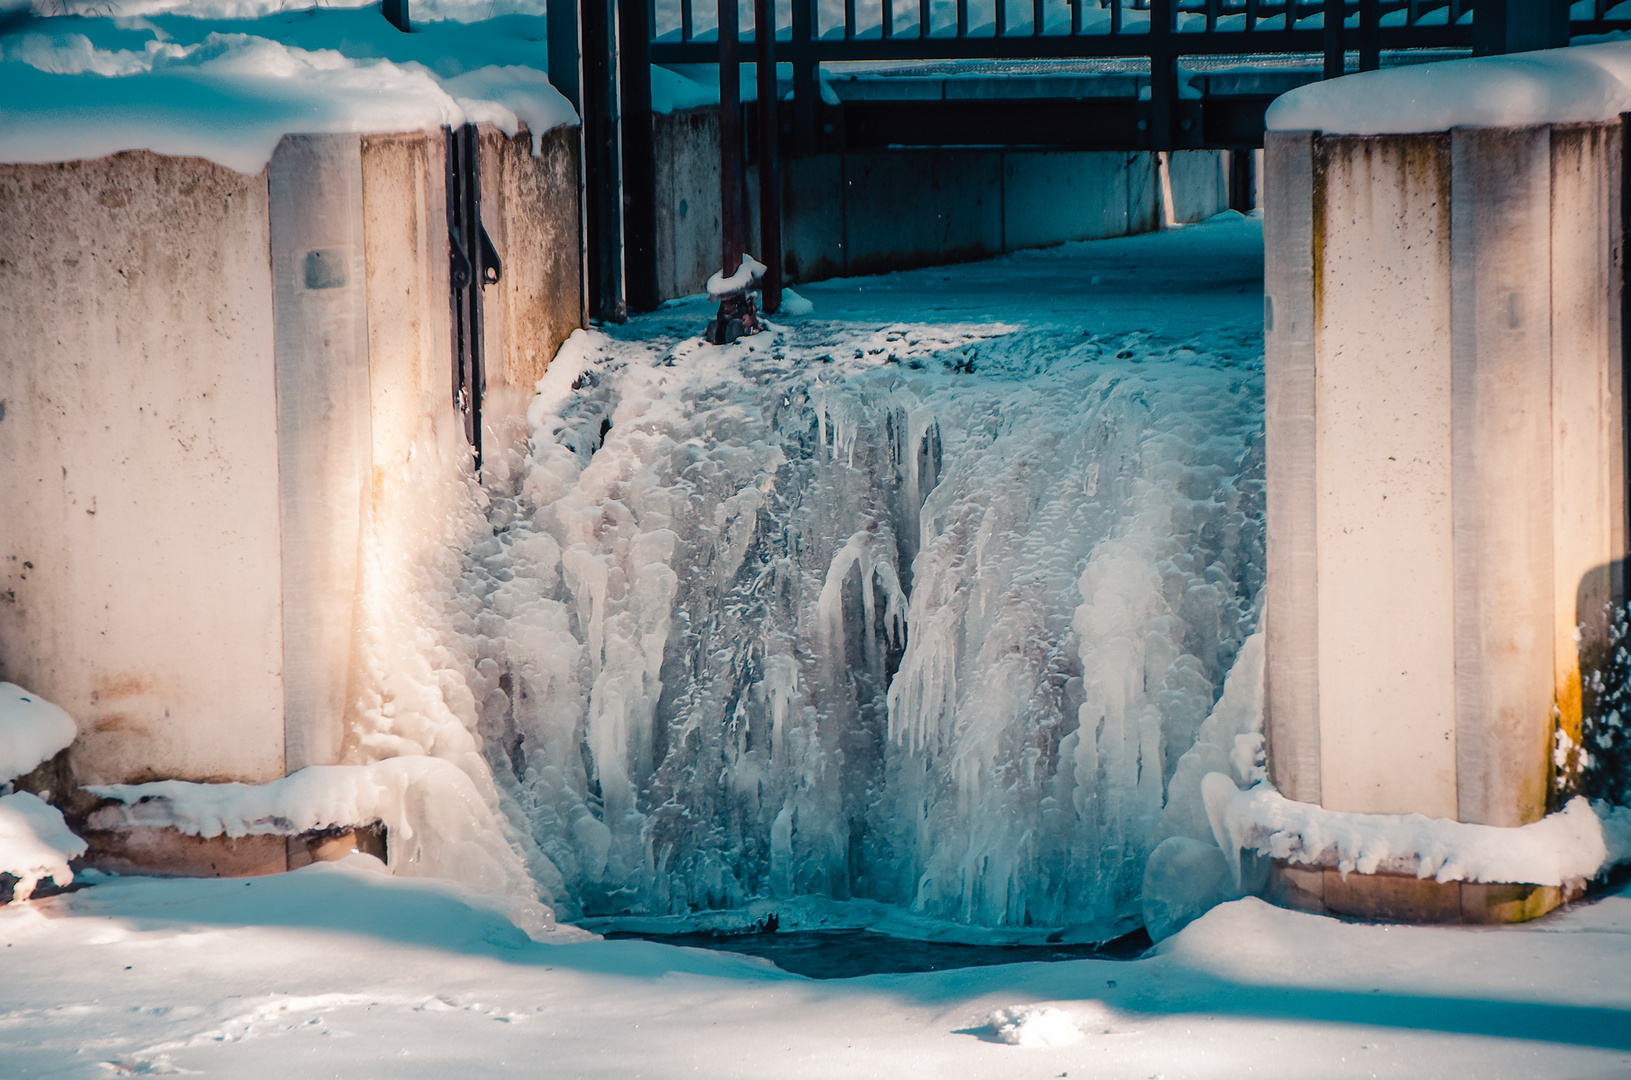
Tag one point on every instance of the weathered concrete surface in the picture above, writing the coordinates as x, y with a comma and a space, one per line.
404, 190
1291, 718
1446, 478
875, 211
1501, 426
1200, 184
139, 545
319, 291
1382, 409
687, 155
538, 234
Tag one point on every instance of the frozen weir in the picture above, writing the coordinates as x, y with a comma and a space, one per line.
921, 615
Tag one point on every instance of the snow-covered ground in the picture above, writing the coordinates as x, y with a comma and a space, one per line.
338, 971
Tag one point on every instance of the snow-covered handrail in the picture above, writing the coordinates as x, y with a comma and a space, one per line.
1576, 843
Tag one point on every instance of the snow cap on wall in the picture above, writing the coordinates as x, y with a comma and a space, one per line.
1558, 86
74, 88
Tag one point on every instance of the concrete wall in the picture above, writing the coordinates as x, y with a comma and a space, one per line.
1445, 460
208, 380
139, 541
875, 211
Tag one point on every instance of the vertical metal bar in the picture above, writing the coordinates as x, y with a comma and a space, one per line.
396, 13
1075, 16
1335, 57
464, 244
686, 23
603, 170
561, 46
730, 141
962, 18
999, 18
1370, 35
770, 210
1251, 14
1115, 16
639, 155
806, 77
1163, 75
924, 19
886, 29
849, 20
1036, 17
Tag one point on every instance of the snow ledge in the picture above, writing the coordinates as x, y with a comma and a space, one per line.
1578, 842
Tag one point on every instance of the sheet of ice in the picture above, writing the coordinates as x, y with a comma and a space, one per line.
35, 844
1575, 844
32, 730
229, 90
1556, 86
438, 824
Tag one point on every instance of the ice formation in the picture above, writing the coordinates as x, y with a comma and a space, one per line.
924, 615
1575, 844
31, 730
35, 844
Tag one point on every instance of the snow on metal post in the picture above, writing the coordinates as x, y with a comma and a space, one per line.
738, 275
770, 218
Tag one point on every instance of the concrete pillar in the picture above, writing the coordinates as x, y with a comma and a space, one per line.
139, 567
320, 337
1446, 489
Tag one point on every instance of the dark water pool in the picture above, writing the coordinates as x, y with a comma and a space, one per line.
843, 954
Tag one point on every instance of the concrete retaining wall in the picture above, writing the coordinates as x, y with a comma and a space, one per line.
1445, 460
205, 379
875, 211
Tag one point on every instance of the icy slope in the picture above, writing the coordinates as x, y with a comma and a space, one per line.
923, 612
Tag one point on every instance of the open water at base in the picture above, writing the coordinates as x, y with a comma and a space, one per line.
845, 954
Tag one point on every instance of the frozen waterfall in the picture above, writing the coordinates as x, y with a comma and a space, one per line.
924, 615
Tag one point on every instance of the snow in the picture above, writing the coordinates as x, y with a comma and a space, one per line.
1573, 845
1556, 86
438, 823
35, 843
721, 286
32, 730
1029, 1025
227, 89
338, 969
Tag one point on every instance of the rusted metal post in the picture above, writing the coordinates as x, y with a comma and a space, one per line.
770, 215
730, 141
